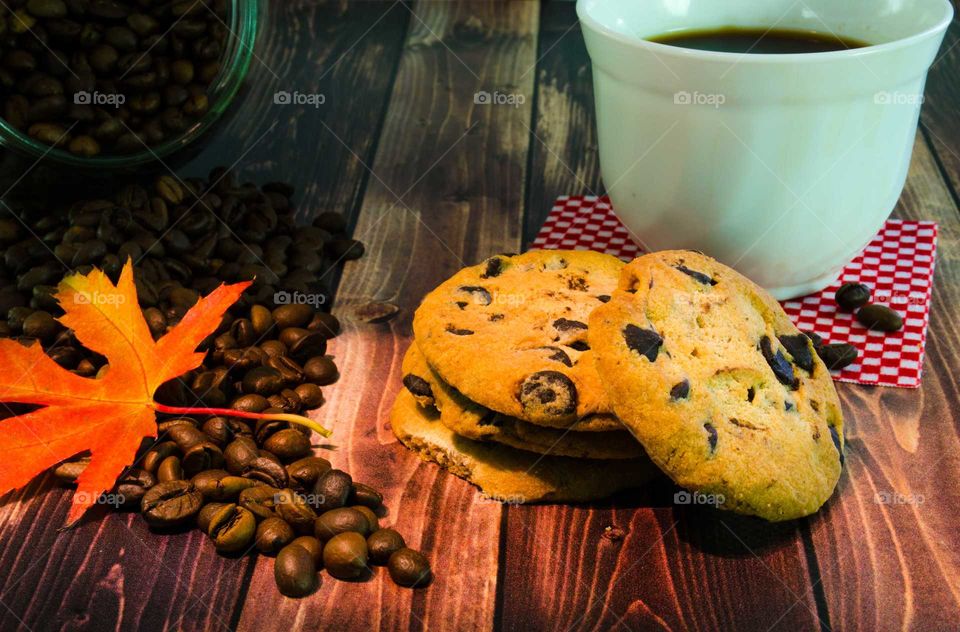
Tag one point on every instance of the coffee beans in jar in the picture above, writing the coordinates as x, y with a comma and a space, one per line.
109, 77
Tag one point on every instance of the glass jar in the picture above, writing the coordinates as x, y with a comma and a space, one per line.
243, 19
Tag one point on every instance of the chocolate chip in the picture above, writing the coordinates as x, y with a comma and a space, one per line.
787, 405
680, 390
781, 368
799, 349
490, 418
548, 392
480, 294
462, 304
564, 324
579, 345
577, 284
495, 317
751, 393
494, 268
699, 277
459, 332
604, 298
558, 355
417, 385
815, 406
815, 338
836, 442
711, 436
646, 342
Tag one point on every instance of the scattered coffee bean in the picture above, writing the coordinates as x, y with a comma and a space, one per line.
232, 528
383, 543
850, 296
345, 555
341, 520
837, 356
312, 545
332, 490
880, 318
273, 534
170, 504
409, 568
295, 571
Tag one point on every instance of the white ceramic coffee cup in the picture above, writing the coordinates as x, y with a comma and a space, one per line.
783, 166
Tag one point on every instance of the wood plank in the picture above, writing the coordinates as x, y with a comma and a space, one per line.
564, 152
889, 562
459, 169
111, 572
673, 568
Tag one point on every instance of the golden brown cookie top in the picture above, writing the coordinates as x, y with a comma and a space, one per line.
511, 333
720, 387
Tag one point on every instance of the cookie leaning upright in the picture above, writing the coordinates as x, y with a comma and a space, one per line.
722, 390
511, 333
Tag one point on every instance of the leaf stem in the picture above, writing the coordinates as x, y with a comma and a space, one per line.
229, 412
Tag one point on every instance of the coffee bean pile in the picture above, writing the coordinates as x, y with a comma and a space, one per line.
257, 486
245, 484
109, 76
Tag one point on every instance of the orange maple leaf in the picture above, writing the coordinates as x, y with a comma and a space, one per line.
108, 416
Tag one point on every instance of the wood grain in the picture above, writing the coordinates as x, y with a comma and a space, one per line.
892, 562
446, 188
111, 572
939, 114
563, 147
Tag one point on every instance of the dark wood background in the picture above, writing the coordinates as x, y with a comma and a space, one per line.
431, 181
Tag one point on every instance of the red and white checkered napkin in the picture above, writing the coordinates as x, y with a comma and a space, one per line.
897, 265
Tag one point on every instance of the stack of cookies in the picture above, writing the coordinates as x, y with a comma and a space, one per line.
567, 375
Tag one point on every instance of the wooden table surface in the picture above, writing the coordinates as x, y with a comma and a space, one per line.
430, 182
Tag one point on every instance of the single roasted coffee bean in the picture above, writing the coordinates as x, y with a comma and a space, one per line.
202, 456
292, 315
170, 470
239, 454
170, 504
303, 473
266, 470
273, 534
295, 571
341, 520
310, 395
68, 471
288, 444
345, 555
252, 403
293, 508
383, 543
321, 370
325, 323
366, 496
260, 500
409, 568
837, 356
263, 380
880, 318
850, 296
219, 430
206, 515
232, 528
332, 490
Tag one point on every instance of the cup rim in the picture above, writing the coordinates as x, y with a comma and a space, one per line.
587, 20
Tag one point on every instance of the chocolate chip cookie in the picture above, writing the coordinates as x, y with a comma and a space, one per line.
469, 419
725, 394
511, 333
506, 474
